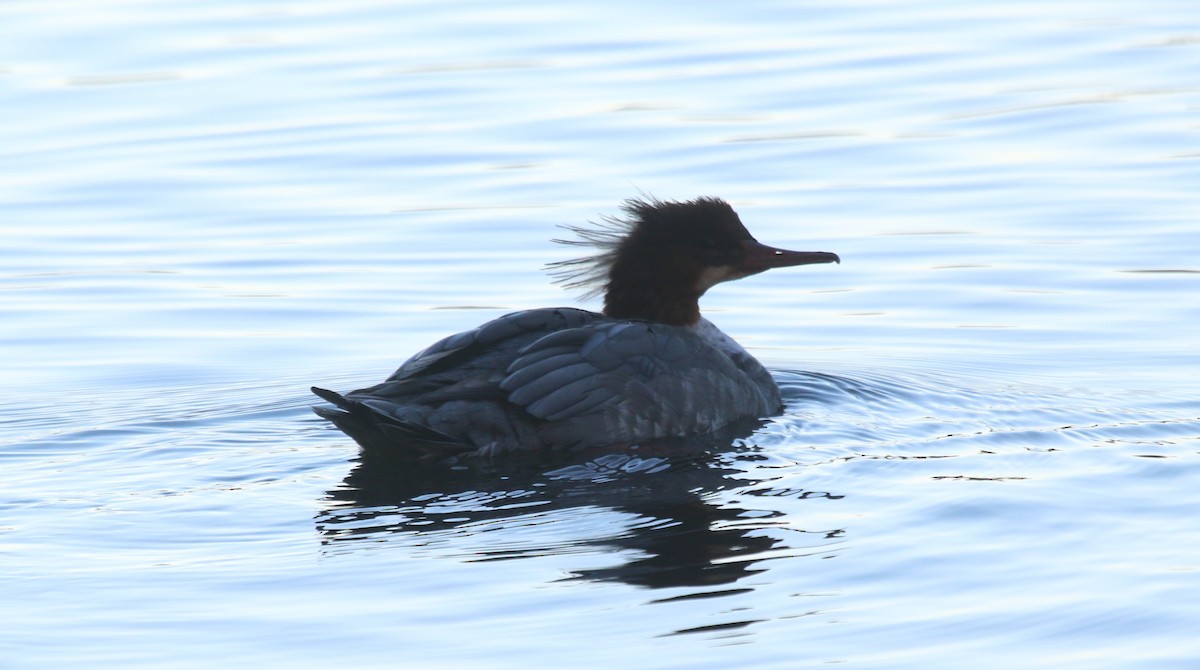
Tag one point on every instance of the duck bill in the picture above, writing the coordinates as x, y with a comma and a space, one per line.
759, 257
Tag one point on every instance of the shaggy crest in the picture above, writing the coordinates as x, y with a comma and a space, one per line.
591, 273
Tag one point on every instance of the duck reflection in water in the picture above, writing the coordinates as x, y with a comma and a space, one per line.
687, 534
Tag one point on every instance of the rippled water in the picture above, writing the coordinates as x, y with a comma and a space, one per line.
992, 441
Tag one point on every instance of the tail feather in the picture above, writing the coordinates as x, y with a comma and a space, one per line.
332, 397
381, 434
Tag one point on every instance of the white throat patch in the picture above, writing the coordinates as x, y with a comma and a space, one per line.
711, 276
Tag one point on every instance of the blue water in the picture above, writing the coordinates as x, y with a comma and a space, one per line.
992, 445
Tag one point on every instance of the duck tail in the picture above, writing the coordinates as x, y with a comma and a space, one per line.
382, 435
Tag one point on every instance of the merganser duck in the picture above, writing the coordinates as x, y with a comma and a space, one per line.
648, 367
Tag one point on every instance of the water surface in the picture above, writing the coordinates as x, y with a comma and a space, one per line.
993, 404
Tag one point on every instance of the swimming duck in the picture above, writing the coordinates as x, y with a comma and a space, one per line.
648, 366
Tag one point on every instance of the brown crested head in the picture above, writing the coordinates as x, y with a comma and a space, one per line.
657, 260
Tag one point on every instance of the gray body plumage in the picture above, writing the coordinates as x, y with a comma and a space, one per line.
557, 378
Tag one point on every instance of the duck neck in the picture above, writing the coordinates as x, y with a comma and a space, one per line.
647, 297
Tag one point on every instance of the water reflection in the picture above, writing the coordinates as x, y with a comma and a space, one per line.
686, 521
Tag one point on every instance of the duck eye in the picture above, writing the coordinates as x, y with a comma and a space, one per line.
715, 251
